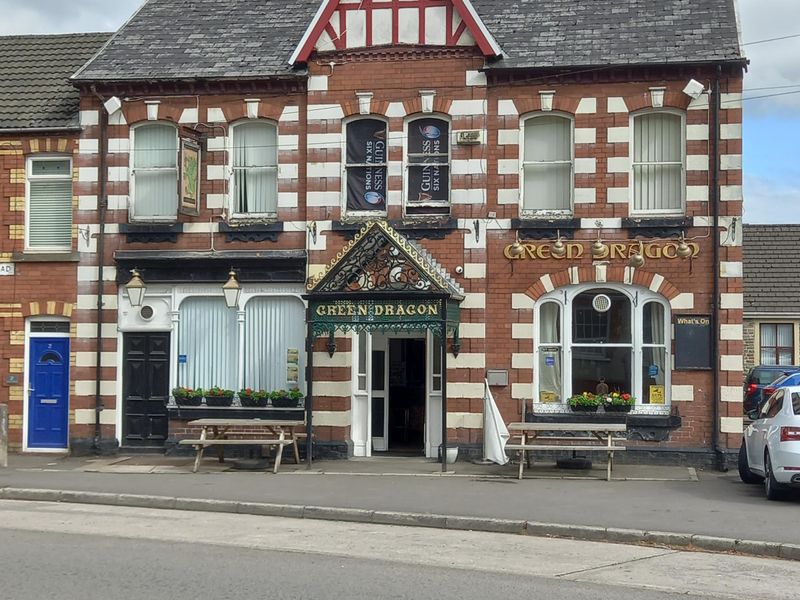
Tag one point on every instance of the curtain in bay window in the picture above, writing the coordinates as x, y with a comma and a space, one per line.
657, 162
654, 351
155, 167
550, 353
273, 325
207, 337
547, 164
255, 168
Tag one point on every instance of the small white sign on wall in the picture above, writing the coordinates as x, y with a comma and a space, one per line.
7, 269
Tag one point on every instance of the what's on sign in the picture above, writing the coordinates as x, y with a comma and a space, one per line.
693, 340
7, 269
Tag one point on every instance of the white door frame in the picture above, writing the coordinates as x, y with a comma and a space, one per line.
27, 375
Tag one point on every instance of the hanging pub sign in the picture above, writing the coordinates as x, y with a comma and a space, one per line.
693, 341
428, 159
366, 165
190, 180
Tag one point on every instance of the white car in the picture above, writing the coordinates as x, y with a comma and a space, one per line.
770, 450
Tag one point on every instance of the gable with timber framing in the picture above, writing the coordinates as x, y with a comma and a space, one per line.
349, 24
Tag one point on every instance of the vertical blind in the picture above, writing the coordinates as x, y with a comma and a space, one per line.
50, 204
255, 168
777, 343
155, 171
273, 325
657, 162
547, 164
207, 337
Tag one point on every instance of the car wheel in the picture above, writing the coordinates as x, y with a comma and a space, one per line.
745, 474
771, 487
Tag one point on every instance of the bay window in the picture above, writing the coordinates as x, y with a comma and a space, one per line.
658, 177
154, 176
585, 336
547, 164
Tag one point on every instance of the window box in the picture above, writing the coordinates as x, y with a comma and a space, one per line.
251, 232
151, 233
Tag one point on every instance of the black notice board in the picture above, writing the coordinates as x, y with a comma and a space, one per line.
693, 339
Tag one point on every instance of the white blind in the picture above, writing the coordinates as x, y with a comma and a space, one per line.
50, 214
155, 171
547, 164
273, 325
207, 337
657, 162
255, 168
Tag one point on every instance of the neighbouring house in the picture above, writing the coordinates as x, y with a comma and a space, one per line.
550, 192
43, 233
771, 295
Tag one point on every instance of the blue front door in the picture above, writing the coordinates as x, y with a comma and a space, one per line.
48, 397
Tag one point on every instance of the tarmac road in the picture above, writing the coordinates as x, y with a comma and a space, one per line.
98, 552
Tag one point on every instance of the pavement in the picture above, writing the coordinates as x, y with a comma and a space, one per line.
673, 506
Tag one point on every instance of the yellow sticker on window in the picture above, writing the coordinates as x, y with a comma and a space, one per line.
656, 394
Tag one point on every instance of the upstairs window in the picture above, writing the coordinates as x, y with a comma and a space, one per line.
547, 179
254, 182
49, 214
658, 163
428, 166
777, 343
366, 166
155, 172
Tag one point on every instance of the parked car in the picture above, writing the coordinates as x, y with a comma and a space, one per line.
757, 378
788, 380
770, 450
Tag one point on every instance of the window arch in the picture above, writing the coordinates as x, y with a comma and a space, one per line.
366, 166
658, 162
546, 169
254, 168
154, 172
602, 332
427, 165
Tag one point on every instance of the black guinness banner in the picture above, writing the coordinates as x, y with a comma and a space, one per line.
366, 185
428, 164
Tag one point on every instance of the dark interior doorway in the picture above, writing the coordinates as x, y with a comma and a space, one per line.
145, 389
407, 396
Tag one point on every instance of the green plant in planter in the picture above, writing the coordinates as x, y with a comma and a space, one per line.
585, 401
285, 399
618, 402
253, 398
186, 396
217, 396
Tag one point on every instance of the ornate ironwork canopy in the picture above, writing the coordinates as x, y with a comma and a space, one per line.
380, 281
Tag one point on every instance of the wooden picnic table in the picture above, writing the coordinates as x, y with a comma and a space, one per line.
270, 432
599, 438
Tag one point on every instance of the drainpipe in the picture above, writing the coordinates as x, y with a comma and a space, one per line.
102, 203
721, 458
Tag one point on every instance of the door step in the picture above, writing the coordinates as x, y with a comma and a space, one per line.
141, 450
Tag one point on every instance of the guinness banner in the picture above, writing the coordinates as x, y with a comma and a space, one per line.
366, 185
428, 162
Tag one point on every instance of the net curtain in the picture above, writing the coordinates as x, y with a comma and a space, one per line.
255, 168
273, 325
207, 337
155, 167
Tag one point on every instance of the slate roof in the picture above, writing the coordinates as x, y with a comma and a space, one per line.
568, 33
34, 78
771, 257
213, 39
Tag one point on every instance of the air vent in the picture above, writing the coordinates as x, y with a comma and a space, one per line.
146, 312
601, 303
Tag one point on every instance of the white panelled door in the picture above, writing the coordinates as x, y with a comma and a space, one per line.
379, 393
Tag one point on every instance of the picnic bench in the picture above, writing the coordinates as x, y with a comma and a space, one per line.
268, 433
599, 438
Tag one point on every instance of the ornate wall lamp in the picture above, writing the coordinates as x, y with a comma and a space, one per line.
232, 290
135, 288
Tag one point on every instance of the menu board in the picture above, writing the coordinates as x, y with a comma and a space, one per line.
693, 339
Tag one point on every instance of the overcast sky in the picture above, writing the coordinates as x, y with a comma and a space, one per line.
771, 128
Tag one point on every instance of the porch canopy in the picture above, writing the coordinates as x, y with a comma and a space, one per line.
381, 281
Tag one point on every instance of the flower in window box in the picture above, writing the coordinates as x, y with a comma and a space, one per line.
217, 396
586, 402
186, 396
251, 398
618, 402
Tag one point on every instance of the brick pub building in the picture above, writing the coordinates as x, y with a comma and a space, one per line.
555, 187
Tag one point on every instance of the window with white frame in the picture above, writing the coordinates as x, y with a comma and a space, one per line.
366, 167
547, 164
658, 177
155, 171
776, 342
49, 204
428, 166
254, 178
586, 335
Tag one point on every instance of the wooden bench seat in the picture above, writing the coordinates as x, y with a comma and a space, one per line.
587, 448
250, 442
